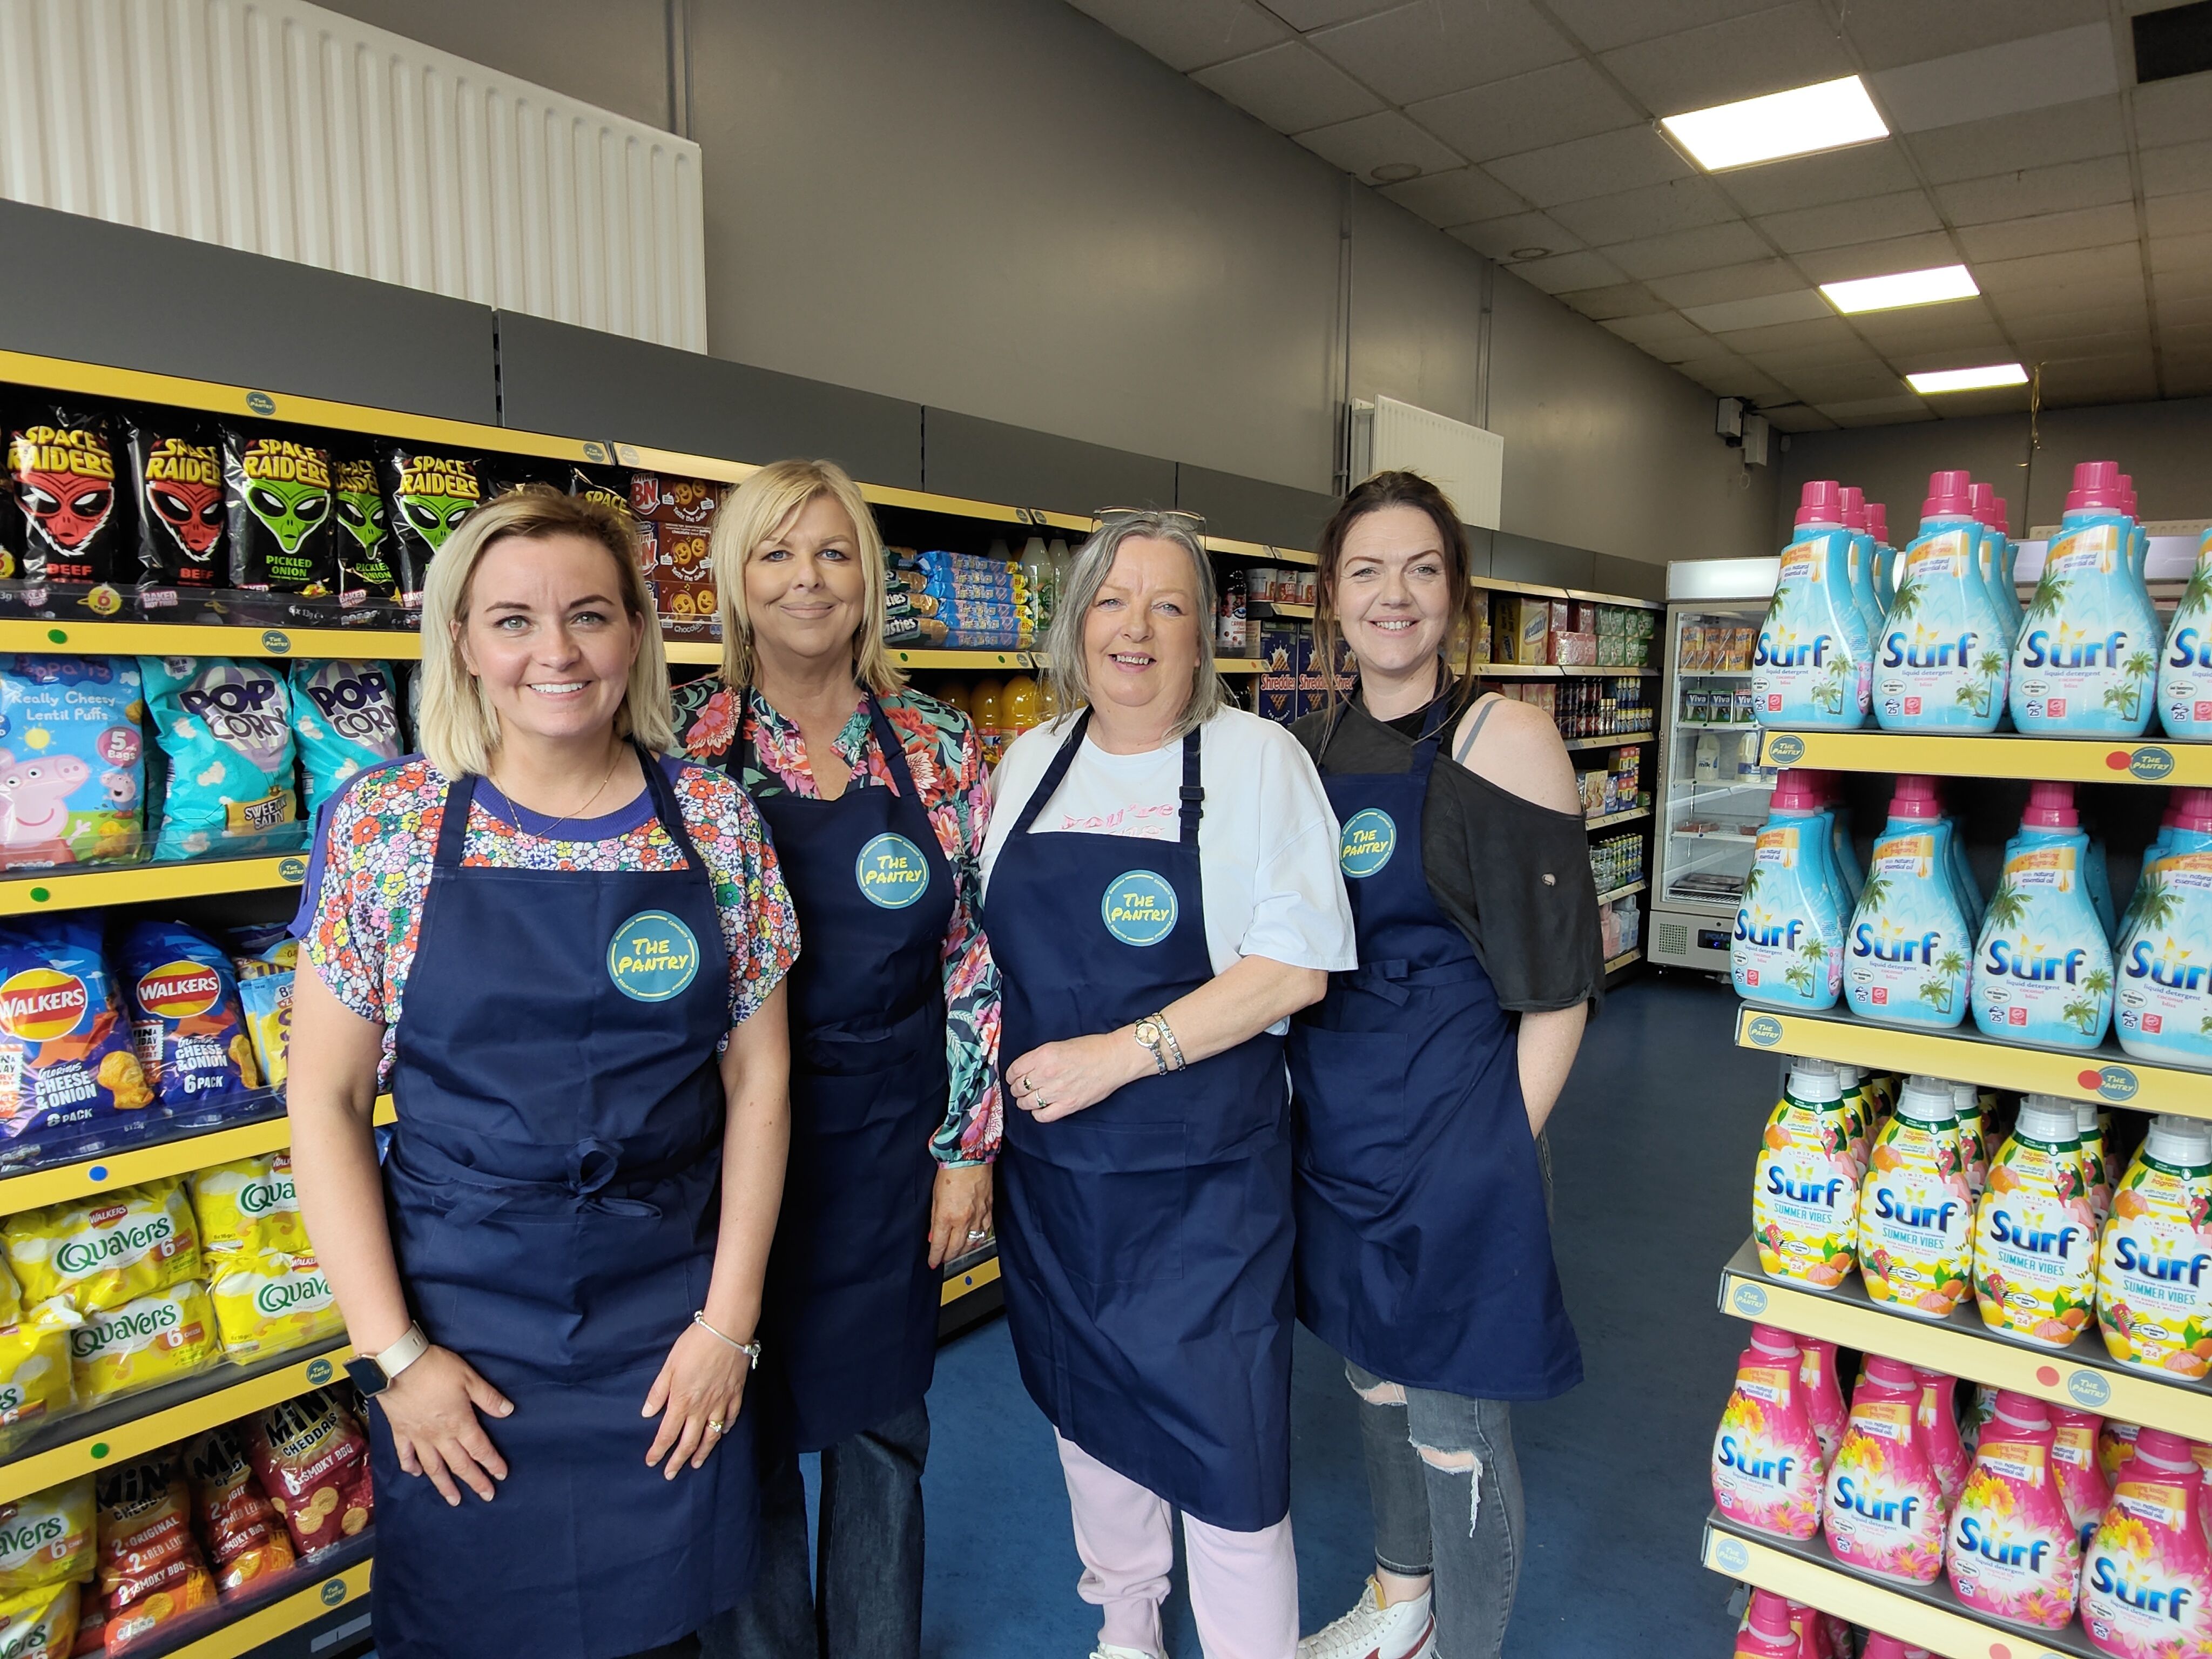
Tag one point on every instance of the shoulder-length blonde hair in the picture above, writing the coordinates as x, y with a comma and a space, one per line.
458, 728
754, 513
1094, 561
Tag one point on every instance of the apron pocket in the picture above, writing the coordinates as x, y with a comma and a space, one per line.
1348, 1089
1111, 1205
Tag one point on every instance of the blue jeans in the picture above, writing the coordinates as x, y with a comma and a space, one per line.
865, 1598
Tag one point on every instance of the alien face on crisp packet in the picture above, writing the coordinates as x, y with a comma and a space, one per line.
429, 492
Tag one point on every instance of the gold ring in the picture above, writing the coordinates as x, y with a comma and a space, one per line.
712, 1427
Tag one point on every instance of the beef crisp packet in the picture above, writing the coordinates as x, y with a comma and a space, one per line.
313, 1459
277, 491
364, 537
47, 1538
66, 1060
176, 470
245, 1536
430, 492
151, 1572
185, 1019
75, 524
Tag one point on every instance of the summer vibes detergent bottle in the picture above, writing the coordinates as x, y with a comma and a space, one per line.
2084, 661
1916, 1223
1863, 553
1973, 1137
1812, 665
2096, 1176
2081, 1481
1805, 1197
1937, 1419
1911, 949
2043, 968
2164, 1008
2013, 1550
1767, 1462
1786, 949
1824, 1396
2146, 1578
2185, 669
2035, 1241
1860, 1115
2155, 1261
1882, 1509
1941, 659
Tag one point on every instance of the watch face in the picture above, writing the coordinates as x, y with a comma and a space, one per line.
366, 1375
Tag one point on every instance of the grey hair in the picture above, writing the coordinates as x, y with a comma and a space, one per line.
1094, 560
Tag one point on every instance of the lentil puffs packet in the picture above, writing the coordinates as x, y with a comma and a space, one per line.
225, 730
66, 1059
277, 493
72, 761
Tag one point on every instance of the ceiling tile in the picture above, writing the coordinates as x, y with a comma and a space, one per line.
1601, 25
1679, 204
1730, 376
2174, 112
1320, 14
1903, 213
1755, 280
1830, 385
2038, 73
2181, 254
2036, 349
1888, 33
2066, 298
1804, 181
2109, 379
2051, 333
1457, 197
2180, 216
1501, 238
2171, 169
1841, 264
2041, 138
1949, 353
2037, 190
2180, 312
1566, 272
1549, 106
1292, 87
1701, 249
1423, 50
2116, 263
1386, 137
1820, 342
1764, 51
1189, 34
1601, 165
2171, 285
1798, 417
1660, 329
1622, 303
2187, 340
2051, 232
1894, 403
1803, 305
2189, 377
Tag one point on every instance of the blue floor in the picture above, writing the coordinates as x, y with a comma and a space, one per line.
1653, 1144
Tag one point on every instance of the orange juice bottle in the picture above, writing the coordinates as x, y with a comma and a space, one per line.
1020, 703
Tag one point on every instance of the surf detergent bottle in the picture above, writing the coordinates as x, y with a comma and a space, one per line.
2035, 1241
1968, 891
1885, 583
2116, 1444
2164, 1009
1974, 1146
1881, 1508
1813, 662
1997, 554
1824, 1396
2084, 661
1879, 1646
2096, 1174
2081, 1481
2185, 669
1916, 1223
1806, 1192
2013, 1550
1911, 950
2155, 1261
1788, 947
1859, 1113
1767, 1463
1863, 553
2043, 968
2146, 1579
1938, 1423
1941, 658
1843, 853
1768, 1630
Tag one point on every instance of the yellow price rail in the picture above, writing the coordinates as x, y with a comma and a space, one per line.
151, 639
320, 1596
1965, 1055
1919, 1615
1995, 755
972, 1279
2083, 1377
141, 884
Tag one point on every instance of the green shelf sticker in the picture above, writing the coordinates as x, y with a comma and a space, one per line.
57, 636
39, 895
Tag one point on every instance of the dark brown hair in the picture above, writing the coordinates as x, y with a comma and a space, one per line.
1386, 489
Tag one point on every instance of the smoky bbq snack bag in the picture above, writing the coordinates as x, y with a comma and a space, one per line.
313, 1460
277, 491
75, 524
364, 525
429, 492
182, 524
182, 998
245, 1536
151, 1570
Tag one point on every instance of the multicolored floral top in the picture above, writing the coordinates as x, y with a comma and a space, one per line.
946, 760
371, 869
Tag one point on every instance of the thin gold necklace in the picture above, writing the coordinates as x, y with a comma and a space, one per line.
514, 817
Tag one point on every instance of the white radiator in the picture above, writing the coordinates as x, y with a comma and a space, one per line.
1467, 463
279, 128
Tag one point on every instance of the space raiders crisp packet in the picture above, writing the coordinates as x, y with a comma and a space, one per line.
176, 470
75, 524
267, 1302
364, 536
184, 1018
105, 1250
429, 492
66, 1060
156, 1339
278, 493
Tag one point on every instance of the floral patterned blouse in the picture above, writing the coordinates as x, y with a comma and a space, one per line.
371, 870
946, 760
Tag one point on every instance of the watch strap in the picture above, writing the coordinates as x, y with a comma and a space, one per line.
403, 1354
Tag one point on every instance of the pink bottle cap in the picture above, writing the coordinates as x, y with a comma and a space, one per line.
1796, 791
1915, 799
1982, 502
1855, 514
2072, 1417
1878, 522
2127, 494
2165, 1449
1949, 495
2023, 1411
2051, 806
1892, 1373
1821, 501
2192, 809
1889, 1647
1770, 1617
1773, 1339
2096, 488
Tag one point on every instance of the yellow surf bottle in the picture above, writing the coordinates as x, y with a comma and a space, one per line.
1806, 1191
1915, 1215
2035, 1240
2155, 1262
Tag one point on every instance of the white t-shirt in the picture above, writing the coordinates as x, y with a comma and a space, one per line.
1266, 842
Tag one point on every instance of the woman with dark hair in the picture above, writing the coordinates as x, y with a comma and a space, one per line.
1422, 1083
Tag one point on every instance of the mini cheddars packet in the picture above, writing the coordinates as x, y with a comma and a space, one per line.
249, 1205
267, 1302
103, 1251
156, 1339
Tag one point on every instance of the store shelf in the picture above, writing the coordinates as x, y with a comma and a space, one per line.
1633, 887
1255, 552
1713, 673
1501, 585
1282, 608
1631, 740
126, 639
1965, 1055
341, 1580
1594, 670
2084, 1376
139, 883
977, 659
1715, 726
970, 1280
1606, 821
1615, 965
1921, 1615
1239, 666
1998, 755
1538, 670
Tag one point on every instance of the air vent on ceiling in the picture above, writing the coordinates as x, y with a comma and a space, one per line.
2174, 42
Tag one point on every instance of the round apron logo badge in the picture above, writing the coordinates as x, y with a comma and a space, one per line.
653, 957
891, 871
1368, 838
1139, 907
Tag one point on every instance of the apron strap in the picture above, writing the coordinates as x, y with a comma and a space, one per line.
665, 806
1054, 774
1436, 715
894, 750
453, 824
1193, 792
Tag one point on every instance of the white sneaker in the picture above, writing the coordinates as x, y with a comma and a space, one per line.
1108, 1650
1371, 1631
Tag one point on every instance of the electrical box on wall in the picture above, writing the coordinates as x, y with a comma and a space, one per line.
1466, 462
1756, 428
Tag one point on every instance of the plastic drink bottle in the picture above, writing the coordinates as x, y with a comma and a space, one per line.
2185, 669
2146, 1578
2085, 660
2164, 1008
1787, 948
2013, 1552
2082, 1482
1882, 1509
2096, 1184
1824, 1396
2155, 1261
1973, 1138
1910, 949
2043, 967
1916, 1219
1767, 1463
2035, 1241
1769, 1631
1806, 1191
1941, 658
1814, 657
1937, 1419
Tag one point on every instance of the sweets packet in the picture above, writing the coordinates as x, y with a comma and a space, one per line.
72, 761
245, 1536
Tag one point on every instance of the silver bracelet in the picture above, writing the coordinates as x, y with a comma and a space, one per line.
1174, 1047
750, 1350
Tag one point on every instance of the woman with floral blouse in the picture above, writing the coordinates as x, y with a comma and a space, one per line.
876, 798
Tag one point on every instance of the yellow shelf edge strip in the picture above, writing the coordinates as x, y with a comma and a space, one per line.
137, 884
982, 1274
1998, 755
303, 1607
155, 639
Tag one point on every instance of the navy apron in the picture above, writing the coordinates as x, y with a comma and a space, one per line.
1423, 1255
849, 1322
1145, 1243
554, 1194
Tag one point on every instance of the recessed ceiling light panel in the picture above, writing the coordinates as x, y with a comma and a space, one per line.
1967, 380
1904, 288
1827, 116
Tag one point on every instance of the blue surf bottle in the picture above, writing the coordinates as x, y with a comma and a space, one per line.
1812, 666
1964, 887
1863, 553
2164, 1011
1941, 662
1845, 878
1885, 556
1787, 949
1997, 554
2043, 966
2086, 660
2184, 668
1911, 950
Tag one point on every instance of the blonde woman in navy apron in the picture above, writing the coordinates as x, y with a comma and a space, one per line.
1423, 1081
1162, 893
563, 952
877, 798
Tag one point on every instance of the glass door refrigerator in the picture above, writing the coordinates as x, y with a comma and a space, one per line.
1712, 793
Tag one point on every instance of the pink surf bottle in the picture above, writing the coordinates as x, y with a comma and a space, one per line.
1824, 1395
1889, 1647
1938, 1422
1882, 1507
2147, 1576
2013, 1551
2081, 1482
1767, 1463
1768, 1630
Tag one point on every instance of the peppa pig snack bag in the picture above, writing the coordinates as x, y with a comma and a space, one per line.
72, 765
2013, 1551
1767, 1462
226, 731
1882, 1508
